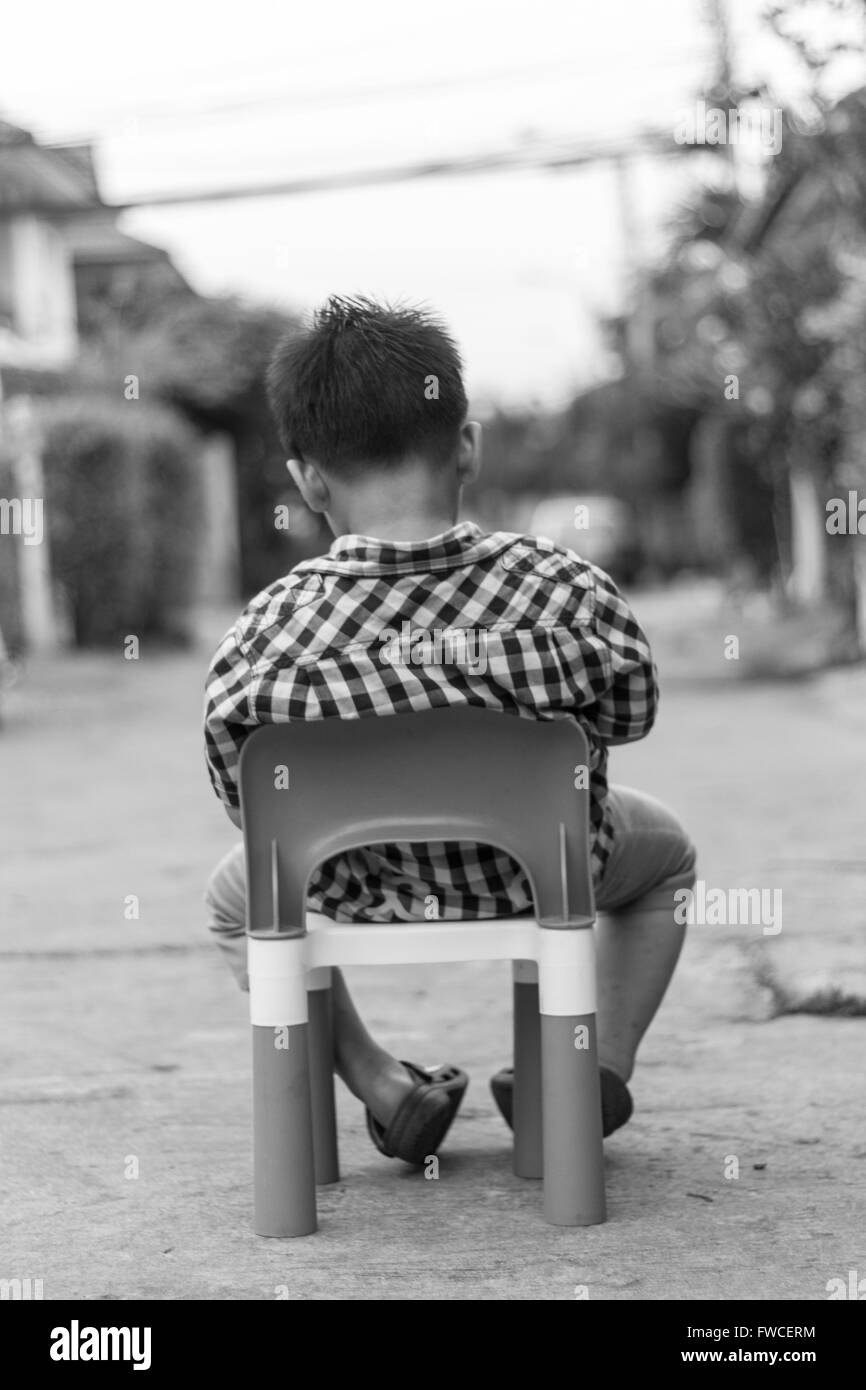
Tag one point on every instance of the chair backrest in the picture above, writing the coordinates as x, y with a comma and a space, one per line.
310, 789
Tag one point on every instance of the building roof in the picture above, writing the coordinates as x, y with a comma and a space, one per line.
12, 134
40, 178
97, 241
80, 160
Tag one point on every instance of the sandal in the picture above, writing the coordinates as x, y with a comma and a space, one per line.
423, 1117
616, 1101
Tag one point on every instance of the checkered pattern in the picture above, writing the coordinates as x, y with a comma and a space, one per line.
350, 635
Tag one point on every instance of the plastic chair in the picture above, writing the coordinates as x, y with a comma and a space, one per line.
312, 789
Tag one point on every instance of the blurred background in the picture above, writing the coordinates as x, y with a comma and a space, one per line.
647, 230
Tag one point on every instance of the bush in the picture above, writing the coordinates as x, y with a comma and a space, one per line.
207, 359
122, 515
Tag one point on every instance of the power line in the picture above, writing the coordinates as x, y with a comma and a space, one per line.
504, 161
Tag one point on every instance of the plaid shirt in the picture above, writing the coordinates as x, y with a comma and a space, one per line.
511, 623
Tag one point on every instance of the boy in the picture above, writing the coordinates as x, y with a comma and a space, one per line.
370, 405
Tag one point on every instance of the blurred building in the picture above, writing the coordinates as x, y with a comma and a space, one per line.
69, 274
64, 263
39, 188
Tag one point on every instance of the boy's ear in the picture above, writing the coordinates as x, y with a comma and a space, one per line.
310, 484
469, 452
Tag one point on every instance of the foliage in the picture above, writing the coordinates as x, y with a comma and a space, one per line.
121, 512
760, 311
208, 357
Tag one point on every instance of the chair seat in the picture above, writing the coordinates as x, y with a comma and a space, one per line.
419, 943
562, 962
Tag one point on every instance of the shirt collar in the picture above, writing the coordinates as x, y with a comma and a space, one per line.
462, 544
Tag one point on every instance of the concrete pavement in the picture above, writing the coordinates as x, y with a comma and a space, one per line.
125, 1094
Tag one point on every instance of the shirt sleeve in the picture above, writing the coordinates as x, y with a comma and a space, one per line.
627, 707
228, 718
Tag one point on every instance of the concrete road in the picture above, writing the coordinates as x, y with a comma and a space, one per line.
125, 1089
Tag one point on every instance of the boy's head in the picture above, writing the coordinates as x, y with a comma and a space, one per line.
368, 396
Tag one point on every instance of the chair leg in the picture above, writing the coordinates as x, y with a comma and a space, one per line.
284, 1169
527, 1072
320, 1004
570, 1086
572, 1131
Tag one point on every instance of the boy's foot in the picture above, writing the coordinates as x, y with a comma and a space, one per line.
423, 1117
616, 1101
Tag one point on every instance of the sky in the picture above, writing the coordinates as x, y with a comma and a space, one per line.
181, 95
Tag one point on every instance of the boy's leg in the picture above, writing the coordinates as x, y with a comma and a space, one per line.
638, 938
226, 900
370, 1073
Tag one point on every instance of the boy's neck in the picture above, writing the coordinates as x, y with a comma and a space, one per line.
408, 507
410, 526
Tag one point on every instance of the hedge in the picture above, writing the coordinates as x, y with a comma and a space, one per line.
122, 514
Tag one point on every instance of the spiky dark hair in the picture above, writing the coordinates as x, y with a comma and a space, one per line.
367, 384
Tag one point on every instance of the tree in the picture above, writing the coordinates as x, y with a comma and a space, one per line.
207, 358
762, 324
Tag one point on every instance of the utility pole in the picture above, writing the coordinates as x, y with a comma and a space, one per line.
38, 622
719, 21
